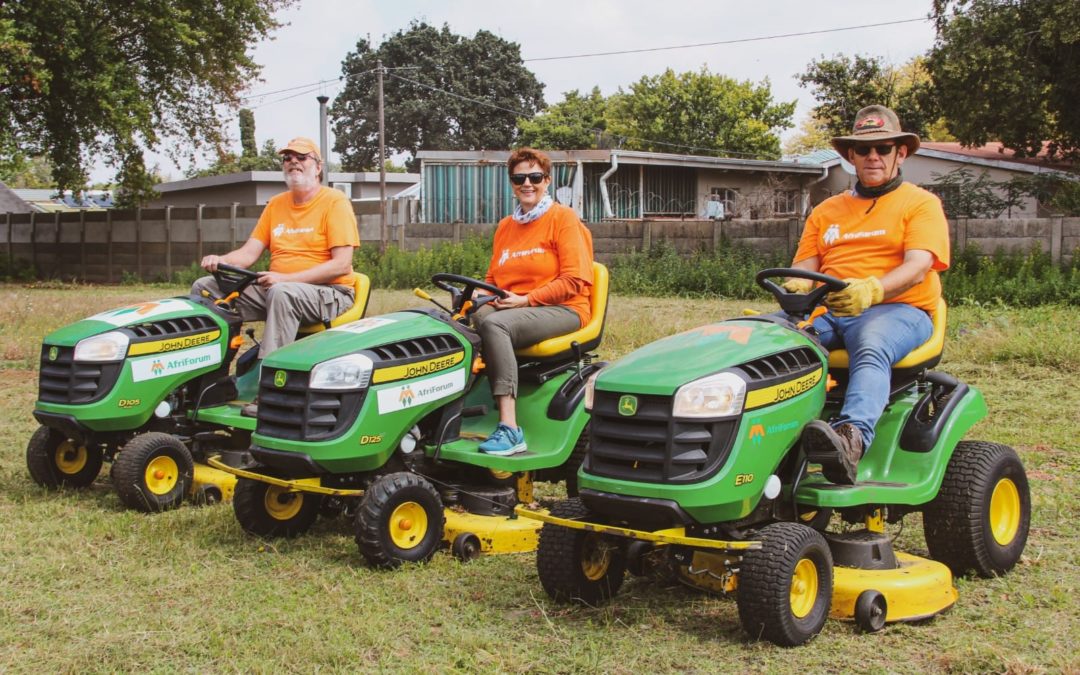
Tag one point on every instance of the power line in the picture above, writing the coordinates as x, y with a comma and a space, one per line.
726, 42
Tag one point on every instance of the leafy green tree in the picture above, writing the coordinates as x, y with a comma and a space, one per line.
441, 91
811, 135
842, 86
1009, 71
699, 112
575, 123
267, 159
250, 148
966, 195
29, 172
110, 78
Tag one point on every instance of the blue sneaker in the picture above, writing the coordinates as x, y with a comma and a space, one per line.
504, 441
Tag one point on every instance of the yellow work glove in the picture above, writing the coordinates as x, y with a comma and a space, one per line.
798, 286
856, 298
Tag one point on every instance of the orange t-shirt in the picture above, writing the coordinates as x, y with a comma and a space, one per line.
549, 260
849, 242
300, 237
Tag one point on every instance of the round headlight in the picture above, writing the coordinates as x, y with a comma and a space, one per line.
719, 395
347, 372
105, 347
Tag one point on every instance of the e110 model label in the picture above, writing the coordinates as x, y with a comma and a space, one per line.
163, 365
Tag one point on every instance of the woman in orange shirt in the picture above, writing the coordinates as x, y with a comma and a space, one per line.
542, 257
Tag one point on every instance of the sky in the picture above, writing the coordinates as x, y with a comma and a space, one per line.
318, 34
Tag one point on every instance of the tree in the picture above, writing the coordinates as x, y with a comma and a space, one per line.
842, 86
1009, 71
267, 159
577, 122
110, 78
441, 91
812, 135
250, 148
697, 113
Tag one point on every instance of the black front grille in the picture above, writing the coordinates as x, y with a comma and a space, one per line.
172, 327
780, 365
62, 380
296, 412
652, 447
417, 348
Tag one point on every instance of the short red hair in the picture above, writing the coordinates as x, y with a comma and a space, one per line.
529, 155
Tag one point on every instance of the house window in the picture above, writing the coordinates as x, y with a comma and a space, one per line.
786, 202
729, 197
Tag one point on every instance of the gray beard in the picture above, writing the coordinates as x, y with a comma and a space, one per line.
304, 181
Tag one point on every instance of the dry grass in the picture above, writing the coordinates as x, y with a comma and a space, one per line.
88, 586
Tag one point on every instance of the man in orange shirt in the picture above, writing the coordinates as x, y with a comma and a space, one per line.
311, 233
542, 256
888, 239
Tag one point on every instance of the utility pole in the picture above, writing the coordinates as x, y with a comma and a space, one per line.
385, 236
325, 151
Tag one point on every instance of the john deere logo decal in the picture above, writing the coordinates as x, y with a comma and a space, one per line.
53, 353
279, 379
628, 405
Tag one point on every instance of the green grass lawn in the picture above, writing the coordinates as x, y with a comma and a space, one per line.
88, 586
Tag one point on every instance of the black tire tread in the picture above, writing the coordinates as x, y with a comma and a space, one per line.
955, 522
574, 462
129, 472
40, 461
370, 531
558, 561
249, 506
765, 585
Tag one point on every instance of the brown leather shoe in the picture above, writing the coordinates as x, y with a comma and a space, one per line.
838, 451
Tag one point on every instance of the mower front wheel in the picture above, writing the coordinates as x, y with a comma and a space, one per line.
55, 461
153, 472
400, 519
785, 588
272, 511
980, 517
576, 564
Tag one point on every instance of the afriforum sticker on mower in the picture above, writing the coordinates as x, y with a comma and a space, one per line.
419, 392
163, 365
364, 325
142, 311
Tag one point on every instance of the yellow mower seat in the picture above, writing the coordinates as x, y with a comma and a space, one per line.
588, 336
924, 356
361, 293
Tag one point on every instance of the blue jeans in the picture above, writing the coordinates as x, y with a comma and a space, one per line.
875, 340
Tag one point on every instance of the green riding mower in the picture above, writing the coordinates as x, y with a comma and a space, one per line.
695, 471
148, 388
380, 420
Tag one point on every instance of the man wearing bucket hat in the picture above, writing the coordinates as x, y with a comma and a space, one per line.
888, 240
311, 233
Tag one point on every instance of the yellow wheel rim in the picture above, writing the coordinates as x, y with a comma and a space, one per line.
70, 458
804, 588
408, 525
161, 475
595, 558
282, 504
1005, 511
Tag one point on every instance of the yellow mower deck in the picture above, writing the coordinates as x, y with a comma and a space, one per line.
497, 534
207, 477
917, 589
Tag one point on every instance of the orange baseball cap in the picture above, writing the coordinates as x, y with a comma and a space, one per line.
302, 146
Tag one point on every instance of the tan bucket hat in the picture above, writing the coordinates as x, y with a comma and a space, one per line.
875, 123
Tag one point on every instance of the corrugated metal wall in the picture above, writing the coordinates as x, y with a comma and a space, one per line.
476, 193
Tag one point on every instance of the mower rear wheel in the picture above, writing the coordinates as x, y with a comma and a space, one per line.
400, 519
980, 517
785, 588
153, 472
273, 511
871, 608
577, 565
56, 461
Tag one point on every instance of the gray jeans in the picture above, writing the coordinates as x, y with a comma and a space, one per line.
284, 306
504, 330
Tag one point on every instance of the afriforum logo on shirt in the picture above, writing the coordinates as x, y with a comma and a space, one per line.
507, 254
832, 233
281, 229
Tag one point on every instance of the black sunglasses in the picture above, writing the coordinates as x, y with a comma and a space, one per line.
286, 156
535, 178
882, 150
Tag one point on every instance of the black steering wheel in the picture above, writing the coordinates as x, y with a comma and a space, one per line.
232, 279
464, 289
798, 304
